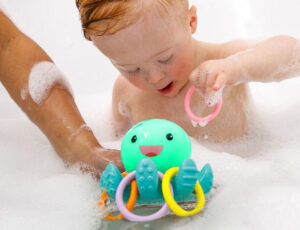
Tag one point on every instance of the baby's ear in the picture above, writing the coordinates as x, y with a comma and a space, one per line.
193, 18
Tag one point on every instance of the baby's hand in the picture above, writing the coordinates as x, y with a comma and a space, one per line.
211, 76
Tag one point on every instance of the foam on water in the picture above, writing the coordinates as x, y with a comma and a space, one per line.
2, 8
213, 97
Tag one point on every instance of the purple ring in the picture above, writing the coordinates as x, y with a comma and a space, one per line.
129, 215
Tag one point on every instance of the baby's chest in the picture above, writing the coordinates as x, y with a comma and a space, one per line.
149, 105
229, 124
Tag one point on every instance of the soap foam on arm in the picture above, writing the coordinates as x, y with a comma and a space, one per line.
43, 76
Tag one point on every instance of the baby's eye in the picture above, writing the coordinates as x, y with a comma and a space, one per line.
134, 71
166, 61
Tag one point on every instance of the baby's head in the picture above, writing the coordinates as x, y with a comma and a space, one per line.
148, 41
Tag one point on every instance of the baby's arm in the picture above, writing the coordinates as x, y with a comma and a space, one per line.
58, 116
274, 59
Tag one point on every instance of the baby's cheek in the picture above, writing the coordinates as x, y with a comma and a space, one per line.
182, 69
138, 82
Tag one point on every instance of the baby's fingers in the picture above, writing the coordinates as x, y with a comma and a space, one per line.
198, 79
220, 82
214, 89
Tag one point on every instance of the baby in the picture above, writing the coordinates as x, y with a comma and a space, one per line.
150, 42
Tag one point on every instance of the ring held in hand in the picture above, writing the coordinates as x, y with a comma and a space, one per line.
192, 116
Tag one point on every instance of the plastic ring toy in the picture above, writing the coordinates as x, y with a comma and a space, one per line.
131, 201
129, 215
172, 203
189, 112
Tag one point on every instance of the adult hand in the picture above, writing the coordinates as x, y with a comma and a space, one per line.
96, 161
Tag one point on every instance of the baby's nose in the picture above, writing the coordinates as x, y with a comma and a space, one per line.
155, 77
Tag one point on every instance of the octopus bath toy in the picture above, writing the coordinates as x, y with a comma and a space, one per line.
156, 156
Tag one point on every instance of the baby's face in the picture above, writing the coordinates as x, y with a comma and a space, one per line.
156, 53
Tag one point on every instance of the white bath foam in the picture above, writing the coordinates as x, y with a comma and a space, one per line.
213, 97
2, 9
43, 76
194, 123
203, 123
99, 118
125, 112
37, 189
24, 94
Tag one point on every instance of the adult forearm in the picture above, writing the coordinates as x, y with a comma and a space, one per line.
57, 116
40, 90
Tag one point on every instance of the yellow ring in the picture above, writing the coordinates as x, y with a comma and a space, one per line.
172, 203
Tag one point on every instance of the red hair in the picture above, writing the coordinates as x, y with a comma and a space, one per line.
101, 17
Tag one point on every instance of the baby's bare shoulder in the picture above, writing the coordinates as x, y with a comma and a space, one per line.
120, 84
125, 93
121, 88
120, 105
222, 50
232, 47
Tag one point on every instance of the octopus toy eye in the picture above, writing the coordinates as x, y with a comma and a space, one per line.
133, 139
169, 136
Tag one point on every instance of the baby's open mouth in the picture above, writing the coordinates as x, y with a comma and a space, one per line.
167, 89
151, 151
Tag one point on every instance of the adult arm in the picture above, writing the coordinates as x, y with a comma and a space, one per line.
57, 117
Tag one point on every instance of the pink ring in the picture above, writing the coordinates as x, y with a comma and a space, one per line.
189, 112
129, 215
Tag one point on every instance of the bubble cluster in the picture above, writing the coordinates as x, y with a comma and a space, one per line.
24, 94
43, 76
213, 97
125, 112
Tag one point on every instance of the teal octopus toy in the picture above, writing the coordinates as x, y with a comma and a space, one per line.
154, 146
